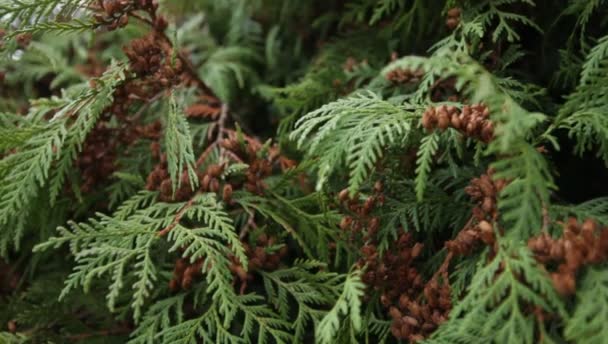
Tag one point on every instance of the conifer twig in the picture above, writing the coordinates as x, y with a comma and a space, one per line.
178, 217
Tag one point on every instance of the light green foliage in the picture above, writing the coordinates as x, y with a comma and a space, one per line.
428, 148
160, 315
42, 60
323, 80
522, 200
353, 133
530, 180
228, 69
309, 286
34, 11
334, 91
34, 16
123, 246
590, 130
494, 309
89, 105
346, 313
13, 137
211, 327
25, 173
583, 10
11, 338
178, 143
596, 209
587, 324
228, 64
312, 230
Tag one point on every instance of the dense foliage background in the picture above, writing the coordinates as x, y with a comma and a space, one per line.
263, 171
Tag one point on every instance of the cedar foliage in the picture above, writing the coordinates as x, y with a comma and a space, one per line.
255, 171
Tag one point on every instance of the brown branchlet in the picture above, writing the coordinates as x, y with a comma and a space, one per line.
207, 107
484, 192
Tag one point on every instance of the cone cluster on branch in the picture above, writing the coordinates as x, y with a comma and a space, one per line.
23, 40
150, 56
184, 273
472, 121
414, 319
265, 252
401, 76
580, 244
361, 224
96, 162
262, 255
211, 180
416, 307
115, 13
484, 192
453, 19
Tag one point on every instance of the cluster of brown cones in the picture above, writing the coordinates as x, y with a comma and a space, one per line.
472, 121
401, 76
580, 244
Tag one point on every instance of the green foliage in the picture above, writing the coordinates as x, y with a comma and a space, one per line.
528, 173
34, 11
28, 171
312, 230
178, 142
108, 245
45, 16
587, 323
486, 12
353, 133
596, 209
494, 309
301, 100
347, 306
13, 137
428, 148
309, 286
583, 113
228, 69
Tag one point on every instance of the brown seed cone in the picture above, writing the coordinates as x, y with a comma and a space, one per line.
454, 12
452, 23
343, 195
214, 185
227, 193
